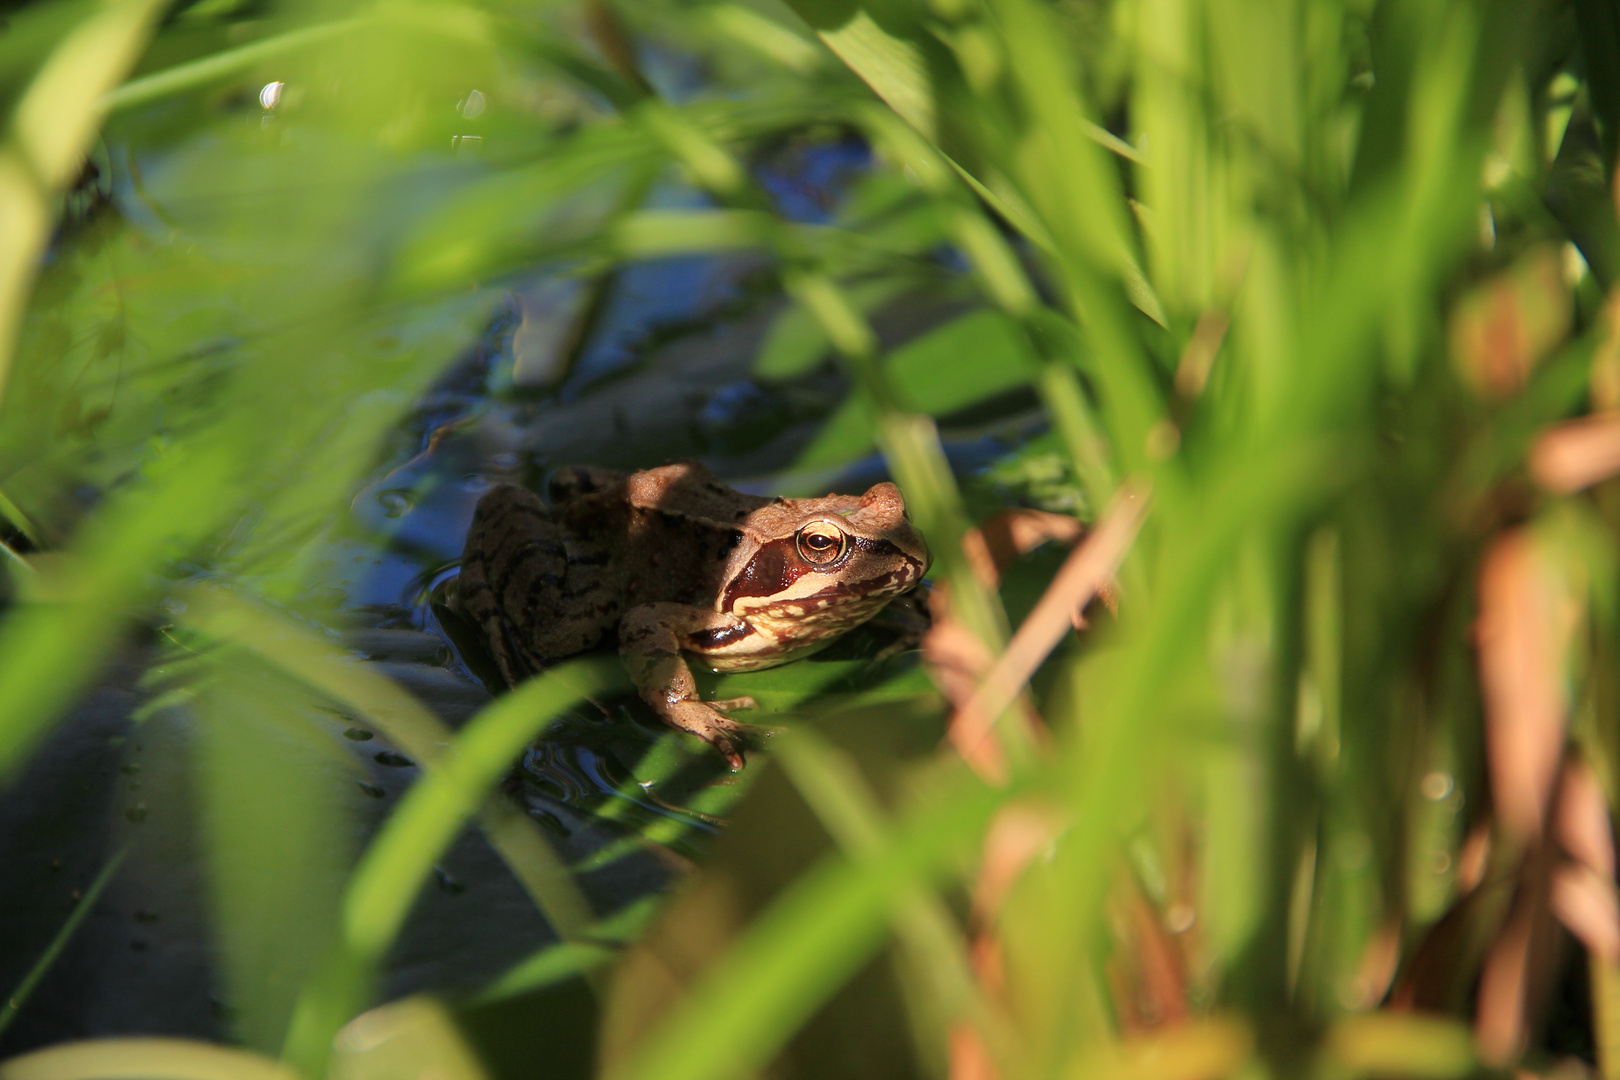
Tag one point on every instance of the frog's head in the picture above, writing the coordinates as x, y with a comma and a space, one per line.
832, 560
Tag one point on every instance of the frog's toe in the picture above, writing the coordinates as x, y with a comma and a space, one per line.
736, 704
733, 753
703, 719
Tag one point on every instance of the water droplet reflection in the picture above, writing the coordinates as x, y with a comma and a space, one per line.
473, 105
1436, 786
396, 502
270, 95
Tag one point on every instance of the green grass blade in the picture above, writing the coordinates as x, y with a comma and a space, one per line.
42, 966
143, 1059
220, 65
404, 722
401, 858
804, 947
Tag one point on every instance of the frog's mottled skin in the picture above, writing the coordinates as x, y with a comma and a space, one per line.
674, 562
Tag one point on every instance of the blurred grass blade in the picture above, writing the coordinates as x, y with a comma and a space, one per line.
604, 942
19, 997
1085, 573
220, 65
51, 128
435, 809
416, 1037
278, 841
62, 108
804, 947
143, 1059
401, 858
967, 360
550, 965
406, 723
1606, 1017
940, 979
1203, 1050
221, 614
51, 647
1387, 1043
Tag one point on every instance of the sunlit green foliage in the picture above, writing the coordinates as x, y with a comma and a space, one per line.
1310, 276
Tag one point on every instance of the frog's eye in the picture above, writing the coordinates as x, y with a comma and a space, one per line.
820, 543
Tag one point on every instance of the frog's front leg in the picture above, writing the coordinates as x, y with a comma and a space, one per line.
651, 638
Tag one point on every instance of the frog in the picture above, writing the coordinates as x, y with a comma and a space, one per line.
676, 566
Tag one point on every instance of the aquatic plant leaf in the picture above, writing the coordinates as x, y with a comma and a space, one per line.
948, 369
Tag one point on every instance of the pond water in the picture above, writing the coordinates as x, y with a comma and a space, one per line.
650, 364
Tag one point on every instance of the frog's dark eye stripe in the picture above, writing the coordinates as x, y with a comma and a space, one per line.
821, 544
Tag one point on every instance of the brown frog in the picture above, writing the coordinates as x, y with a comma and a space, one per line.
675, 563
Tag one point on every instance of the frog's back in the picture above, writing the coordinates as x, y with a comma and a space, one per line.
539, 590
681, 528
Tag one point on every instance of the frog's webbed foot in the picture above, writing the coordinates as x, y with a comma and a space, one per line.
704, 719
650, 639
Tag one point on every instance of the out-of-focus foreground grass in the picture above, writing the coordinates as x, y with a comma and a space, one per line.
1315, 295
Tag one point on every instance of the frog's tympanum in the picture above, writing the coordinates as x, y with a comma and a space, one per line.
677, 563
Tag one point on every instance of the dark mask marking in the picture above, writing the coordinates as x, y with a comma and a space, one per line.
715, 639
881, 549
773, 568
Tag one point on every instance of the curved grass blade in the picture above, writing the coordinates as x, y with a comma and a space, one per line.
220, 65
404, 722
565, 959
51, 128
805, 946
143, 1059
42, 966
943, 989
401, 858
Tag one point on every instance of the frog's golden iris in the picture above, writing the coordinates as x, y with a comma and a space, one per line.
822, 544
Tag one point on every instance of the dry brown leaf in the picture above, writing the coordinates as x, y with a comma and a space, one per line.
956, 659
1516, 970
1013, 533
1149, 971
1586, 903
1583, 819
1473, 857
1380, 959
1521, 634
1503, 328
1086, 571
1019, 832
1574, 455
1583, 890
969, 1057
986, 568
1199, 356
